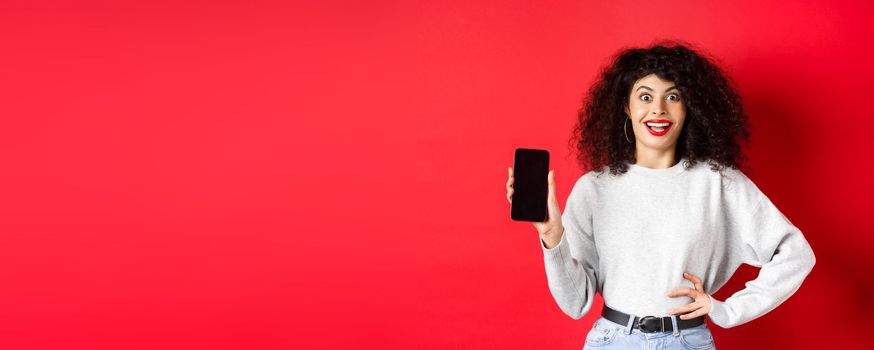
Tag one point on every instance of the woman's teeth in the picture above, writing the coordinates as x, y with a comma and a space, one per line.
658, 127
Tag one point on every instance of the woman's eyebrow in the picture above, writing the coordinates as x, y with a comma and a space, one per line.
650, 89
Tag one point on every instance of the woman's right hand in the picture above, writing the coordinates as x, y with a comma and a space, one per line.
550, 230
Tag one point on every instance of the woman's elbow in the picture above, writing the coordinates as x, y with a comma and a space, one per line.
577, 314
812, 259
809, 258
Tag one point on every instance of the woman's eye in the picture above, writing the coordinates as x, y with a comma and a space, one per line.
675, 97
645, 98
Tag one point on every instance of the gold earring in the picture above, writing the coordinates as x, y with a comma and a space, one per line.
625, 130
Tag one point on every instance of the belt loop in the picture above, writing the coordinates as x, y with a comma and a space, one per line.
630, 324
674, 323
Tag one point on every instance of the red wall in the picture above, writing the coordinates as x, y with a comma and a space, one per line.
270, 175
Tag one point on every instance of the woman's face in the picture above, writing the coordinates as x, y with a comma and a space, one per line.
657, 112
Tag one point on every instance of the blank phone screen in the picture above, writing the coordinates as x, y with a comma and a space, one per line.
530, 186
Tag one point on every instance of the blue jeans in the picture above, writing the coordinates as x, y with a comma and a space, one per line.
606, 334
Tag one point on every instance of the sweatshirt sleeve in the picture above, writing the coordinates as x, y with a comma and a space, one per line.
572, 264
764, 239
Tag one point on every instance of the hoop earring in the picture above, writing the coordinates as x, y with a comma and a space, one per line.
625, 130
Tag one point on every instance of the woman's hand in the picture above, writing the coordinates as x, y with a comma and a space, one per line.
699, 307
550, 230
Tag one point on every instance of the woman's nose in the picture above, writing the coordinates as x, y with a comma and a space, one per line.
658, 109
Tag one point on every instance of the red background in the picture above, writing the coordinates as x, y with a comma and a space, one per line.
267, 175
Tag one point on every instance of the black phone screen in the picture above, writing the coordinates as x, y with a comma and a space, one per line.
530, 185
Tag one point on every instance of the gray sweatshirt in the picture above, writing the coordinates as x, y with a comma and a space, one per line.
631, 237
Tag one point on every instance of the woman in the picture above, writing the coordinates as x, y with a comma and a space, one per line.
666, 216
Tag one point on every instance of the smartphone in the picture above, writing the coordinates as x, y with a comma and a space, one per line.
530, 186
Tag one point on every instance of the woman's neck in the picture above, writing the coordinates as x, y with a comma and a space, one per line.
655, 159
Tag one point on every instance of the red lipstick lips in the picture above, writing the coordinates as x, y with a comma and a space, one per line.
658, 121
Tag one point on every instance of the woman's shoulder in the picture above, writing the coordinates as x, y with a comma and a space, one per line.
596, 177
736, 187
588, 184
733, 179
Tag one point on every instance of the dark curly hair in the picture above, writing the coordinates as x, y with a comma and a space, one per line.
716, 127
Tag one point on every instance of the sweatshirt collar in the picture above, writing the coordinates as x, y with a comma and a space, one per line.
671, 171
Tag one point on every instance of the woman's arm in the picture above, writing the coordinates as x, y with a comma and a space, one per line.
768, 240
571, 265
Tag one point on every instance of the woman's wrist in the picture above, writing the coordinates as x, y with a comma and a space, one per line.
553, 239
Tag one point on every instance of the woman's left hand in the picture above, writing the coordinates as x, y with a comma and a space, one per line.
699, 307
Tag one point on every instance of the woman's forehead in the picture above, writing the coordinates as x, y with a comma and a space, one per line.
652, 83
653, 80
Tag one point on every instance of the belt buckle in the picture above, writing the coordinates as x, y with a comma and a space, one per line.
650, 324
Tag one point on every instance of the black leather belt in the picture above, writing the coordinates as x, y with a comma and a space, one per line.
650, 324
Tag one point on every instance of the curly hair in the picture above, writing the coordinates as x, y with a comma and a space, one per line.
716, 126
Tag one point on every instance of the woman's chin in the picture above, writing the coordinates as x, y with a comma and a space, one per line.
657, 144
